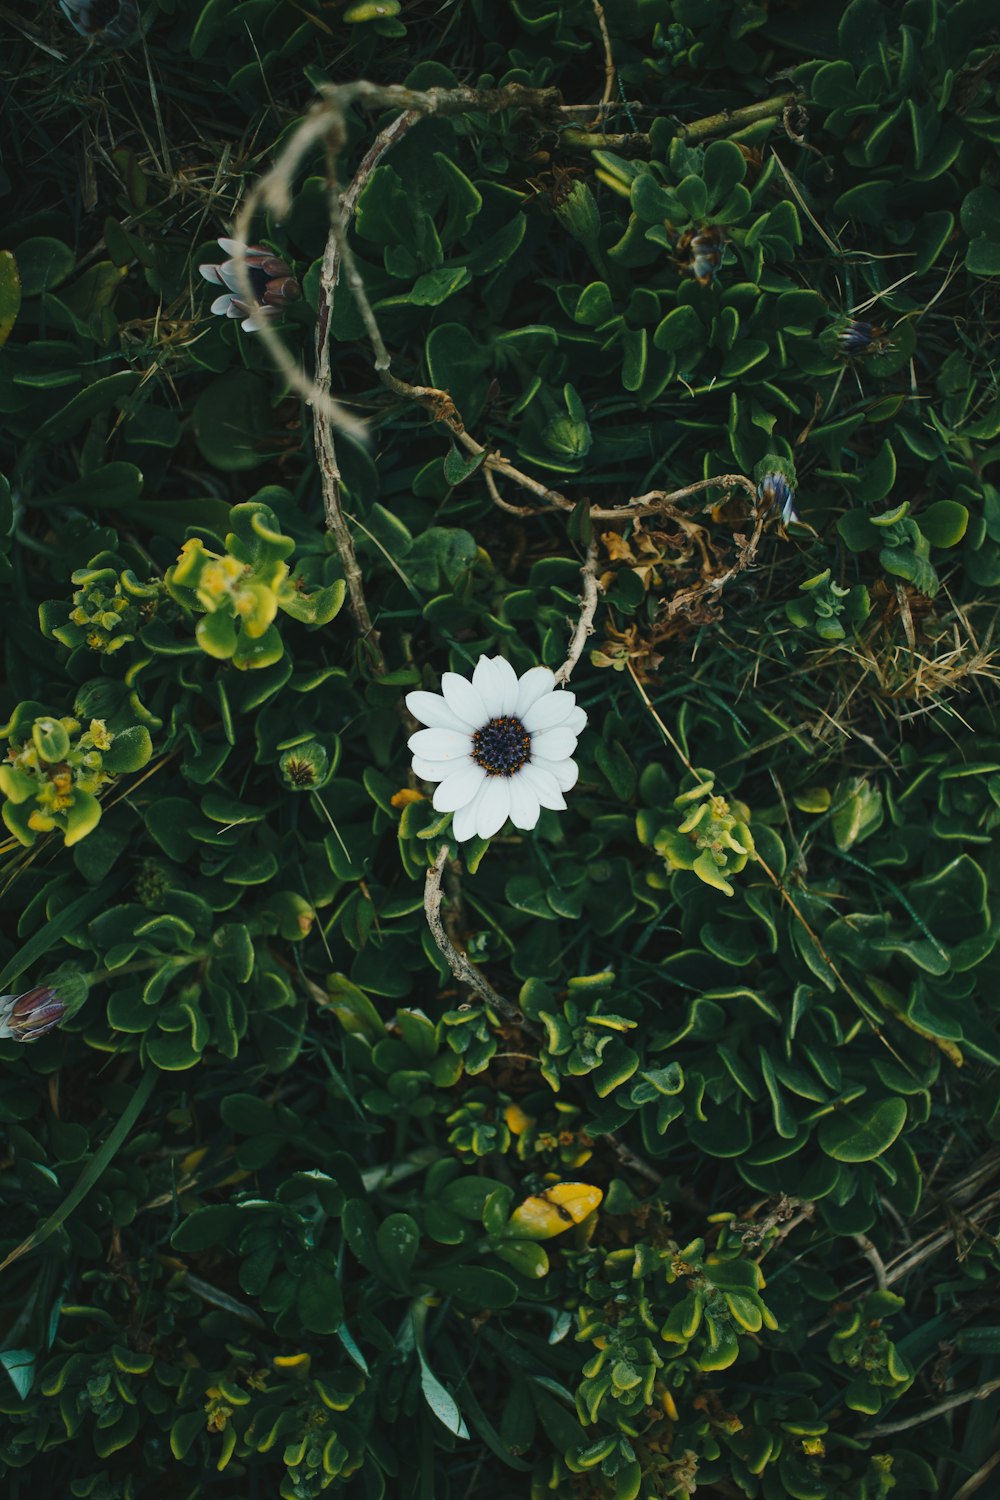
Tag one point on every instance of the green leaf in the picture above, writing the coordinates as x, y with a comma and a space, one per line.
944, 523
980, 213
435, 287
724, 166
230, 418
680, 329
477, 1286
878, 476
91, 1173
459, 466
318, 1299
398, 1239
983, 257
441, 1402
205, 1227
861, 1132
130, 750
744, 355
97, 398
43, 263
216, 634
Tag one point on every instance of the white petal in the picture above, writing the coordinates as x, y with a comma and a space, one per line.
565, 772
532, 686
250, 325
459, 788
211, 273
577, 721
441, 744
222, 304
431, 709
231, 247
524, 805
463, 824
435, 770
463, 700
544, 785
235, 309
508, 678
553, 709
554, 744
489, 685
493, 806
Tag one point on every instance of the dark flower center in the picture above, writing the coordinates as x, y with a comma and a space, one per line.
501, 747
258, 281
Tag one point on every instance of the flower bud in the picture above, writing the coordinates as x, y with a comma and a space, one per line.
304, 767
26, 1017
855, 337
578, 212
777, 494
268, 277
775, 477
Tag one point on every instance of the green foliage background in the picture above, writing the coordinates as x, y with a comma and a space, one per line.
272, 1209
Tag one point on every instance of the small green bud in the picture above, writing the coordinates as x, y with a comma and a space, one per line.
304, 767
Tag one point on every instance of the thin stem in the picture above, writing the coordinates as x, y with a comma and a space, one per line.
588, 608
341, 209
928, 1414
463, 969
609, 60
873, 1258
734, 119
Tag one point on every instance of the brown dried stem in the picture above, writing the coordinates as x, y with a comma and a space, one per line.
588, 608
341, 210
609, 59
326, 122
463, 969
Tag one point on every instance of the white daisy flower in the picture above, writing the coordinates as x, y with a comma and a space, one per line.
499, 746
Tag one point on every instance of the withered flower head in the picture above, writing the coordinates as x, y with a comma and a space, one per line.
113, 21
775, 492
26, 1017
271, 282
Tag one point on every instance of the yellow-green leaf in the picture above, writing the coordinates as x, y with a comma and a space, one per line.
10, 294
554, 1211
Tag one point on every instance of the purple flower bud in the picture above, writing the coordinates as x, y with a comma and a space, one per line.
24, 1018
775, 492
855, 337
271, 282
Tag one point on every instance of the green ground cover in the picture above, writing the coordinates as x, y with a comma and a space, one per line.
357, 1139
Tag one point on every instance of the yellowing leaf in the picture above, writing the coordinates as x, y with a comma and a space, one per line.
10, 294
292, 1361
517, 1120
554, 1211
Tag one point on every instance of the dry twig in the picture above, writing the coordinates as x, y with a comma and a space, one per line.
341, 212
930, 1412
463, 969
609, 59
588, 608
